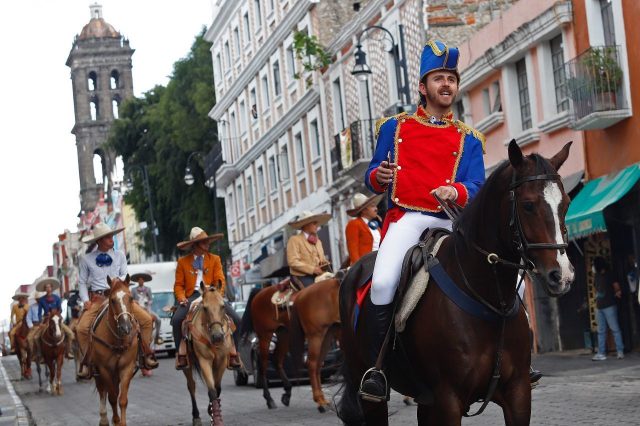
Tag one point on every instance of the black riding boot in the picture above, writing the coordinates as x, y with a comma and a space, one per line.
374, 383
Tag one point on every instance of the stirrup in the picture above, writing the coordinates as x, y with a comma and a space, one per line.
369, 397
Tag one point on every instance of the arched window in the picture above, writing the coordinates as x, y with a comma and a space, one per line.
115, 106
92, 81
115, 80
98, 168
94, 109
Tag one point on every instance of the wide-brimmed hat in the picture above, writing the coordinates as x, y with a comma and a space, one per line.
361, 202
195, 236
19, 294
135, 277
55, 284
307, 217
100, 230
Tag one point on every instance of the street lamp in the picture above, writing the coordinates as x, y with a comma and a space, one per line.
362, 71
189, 179
147, 193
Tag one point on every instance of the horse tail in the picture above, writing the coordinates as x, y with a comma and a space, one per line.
296, 340
246, 324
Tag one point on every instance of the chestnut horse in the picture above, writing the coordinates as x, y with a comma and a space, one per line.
23, 351
53, 348
208, 350
114, 350
446, 357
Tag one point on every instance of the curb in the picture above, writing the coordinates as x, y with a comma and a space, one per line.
22, 417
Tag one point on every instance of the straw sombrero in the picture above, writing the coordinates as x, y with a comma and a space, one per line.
361, 202
55, 284
195, 236
100, 230
146, 277
20, 294
307, 217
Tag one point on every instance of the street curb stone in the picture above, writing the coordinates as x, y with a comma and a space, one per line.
22, 417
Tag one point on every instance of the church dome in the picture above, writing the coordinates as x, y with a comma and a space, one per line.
97, 26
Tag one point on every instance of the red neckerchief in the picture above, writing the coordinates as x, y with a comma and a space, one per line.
312, 239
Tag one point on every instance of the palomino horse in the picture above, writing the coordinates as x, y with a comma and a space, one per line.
262, 318
23, 351
114, 350
210, 332
53, 348
446, 357
316, 309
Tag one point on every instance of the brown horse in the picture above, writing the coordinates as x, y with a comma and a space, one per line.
52, 348
23, 351
114, 351
316, 308
446, 357
209, 351
262, 318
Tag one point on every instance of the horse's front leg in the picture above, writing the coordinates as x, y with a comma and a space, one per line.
59, 373
206, 369
446, 411
263, 347
113, 386
126, 374
282, 348
515, 400
191, 386
104, 420
51, 364
314, 363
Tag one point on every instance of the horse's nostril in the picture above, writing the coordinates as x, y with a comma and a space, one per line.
555, 276
217, 337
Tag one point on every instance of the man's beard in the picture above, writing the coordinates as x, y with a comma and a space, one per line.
433, 100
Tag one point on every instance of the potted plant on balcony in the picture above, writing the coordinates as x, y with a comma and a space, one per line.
605, 76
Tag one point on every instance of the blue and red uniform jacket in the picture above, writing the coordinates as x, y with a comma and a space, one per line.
429, 154
47, 303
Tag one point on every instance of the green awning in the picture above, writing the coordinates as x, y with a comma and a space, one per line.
585, 215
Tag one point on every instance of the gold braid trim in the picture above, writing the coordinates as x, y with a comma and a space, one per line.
471, 131
380, 122
435, 48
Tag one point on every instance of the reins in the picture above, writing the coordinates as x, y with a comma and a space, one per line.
54, 344
125, 344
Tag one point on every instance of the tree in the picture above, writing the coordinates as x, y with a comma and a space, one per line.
160, 130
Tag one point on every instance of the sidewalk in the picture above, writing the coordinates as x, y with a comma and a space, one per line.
13, 411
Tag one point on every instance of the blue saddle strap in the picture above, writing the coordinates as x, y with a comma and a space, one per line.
462, 299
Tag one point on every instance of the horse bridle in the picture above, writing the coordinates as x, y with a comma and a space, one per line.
45, 333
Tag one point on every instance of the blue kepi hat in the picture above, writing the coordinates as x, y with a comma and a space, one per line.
438, 56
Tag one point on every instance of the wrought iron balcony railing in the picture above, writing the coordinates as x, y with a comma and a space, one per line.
355, 145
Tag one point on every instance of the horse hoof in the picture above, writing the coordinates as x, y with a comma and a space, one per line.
286, 398
322, 409
271, 405
407, 401
197, 422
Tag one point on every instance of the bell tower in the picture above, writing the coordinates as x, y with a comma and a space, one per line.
101, 78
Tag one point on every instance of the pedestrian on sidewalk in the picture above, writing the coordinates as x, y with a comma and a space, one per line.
607, 291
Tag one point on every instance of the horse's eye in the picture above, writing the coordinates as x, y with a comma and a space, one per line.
528, 206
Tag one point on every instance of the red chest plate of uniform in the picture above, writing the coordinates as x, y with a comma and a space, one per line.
427, 156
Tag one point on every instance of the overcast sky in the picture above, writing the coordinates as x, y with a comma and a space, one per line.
39, 167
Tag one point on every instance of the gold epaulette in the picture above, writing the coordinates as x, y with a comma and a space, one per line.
381, 121
471, 131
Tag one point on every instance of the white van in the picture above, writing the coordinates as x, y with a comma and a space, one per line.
163, 276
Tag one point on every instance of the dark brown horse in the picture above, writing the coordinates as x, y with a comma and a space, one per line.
114, 351
446, 357
53, 346
23, 351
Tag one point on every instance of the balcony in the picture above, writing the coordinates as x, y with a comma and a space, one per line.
595, 87
354, 148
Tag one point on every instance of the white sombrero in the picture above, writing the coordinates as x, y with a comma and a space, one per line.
100, 230
361, 202
55, 284
307, 217
19, 294
196, 235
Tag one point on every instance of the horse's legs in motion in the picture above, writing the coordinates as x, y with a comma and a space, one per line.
264, 339
104, 420
51, 363
191, 386
39, 370
516, 403
125, 379
446, 411
282, 348
113, 387
212, 387
375, 413
59, 373
314, 362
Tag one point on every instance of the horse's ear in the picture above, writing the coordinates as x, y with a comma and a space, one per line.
515, 154
558, 160
109, 281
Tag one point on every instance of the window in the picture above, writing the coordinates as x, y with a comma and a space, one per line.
314, 133
496, 102
337, 104
265, 93
271, 6
114, 81
92, 81
258, 12
299, 151
291, 63
250, 201
247, 28
243, 117
254, 108
523, 94
115, 105
240, 199
559, 73
486, 102
232, 209
218, 70
227, 54
277, 88
458, 110
236, 40
94, 109
284, 163
260, 183
607, 23
273, 172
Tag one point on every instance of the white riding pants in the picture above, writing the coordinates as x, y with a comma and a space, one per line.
400, 236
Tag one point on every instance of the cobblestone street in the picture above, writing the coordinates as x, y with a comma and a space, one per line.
575, 391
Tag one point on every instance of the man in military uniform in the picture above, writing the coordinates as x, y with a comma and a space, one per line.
418, 155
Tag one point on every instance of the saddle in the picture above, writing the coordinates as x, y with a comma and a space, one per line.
281, 299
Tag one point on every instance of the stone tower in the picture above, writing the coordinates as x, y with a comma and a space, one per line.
100, 62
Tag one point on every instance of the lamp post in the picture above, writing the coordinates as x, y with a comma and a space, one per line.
147, 192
